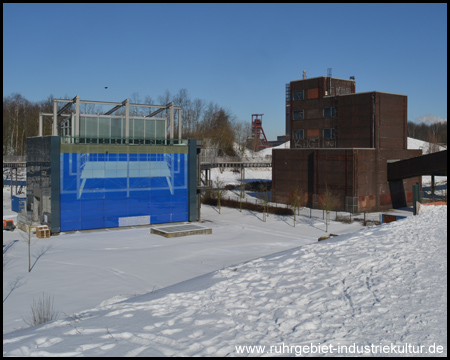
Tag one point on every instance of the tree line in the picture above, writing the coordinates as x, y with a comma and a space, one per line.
217, 126
433, 133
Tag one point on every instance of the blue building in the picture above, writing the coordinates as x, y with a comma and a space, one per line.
105, 171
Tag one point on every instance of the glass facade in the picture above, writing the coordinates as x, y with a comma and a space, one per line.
105, 186
104, 129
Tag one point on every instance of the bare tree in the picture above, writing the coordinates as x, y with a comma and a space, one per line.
242, 131
219, 191
27, 235
297, 199
221, 133
134, 110
435, 132
432, 144
92, 109
183, 100
15, 113
198, 107
328, 202
207, 122
263, 196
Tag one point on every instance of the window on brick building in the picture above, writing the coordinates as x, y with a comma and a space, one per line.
298, 134
298, 114
329, 112
328, 133
298, 95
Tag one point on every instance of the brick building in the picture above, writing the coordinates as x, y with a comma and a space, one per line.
343, 140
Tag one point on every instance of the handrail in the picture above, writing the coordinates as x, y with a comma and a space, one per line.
68, 139
14, 158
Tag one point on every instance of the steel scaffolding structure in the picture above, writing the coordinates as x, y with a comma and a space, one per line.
259, 140
71, 122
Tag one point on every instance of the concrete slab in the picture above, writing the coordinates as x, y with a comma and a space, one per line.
170, 231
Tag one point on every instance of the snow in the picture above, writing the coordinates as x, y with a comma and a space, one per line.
251, 283
424, 145
126, 292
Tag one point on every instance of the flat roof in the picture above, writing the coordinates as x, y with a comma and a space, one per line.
323, 77
368, 92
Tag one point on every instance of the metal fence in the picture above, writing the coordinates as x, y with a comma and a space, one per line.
307, 212
14, 159
351, 204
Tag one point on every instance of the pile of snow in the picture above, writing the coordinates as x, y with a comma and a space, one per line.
423, 145
381, 291
262, 154
268, 151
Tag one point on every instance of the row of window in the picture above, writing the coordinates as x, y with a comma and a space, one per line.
299, 134
328, 112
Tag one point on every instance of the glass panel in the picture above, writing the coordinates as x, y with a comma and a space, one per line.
138, 128
116, 128
82, 126
104, 126
150, 129
160, 129
91, 127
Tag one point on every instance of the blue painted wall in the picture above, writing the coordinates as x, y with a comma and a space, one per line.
99, 190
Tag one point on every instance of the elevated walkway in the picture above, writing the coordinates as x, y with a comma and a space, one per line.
210, 162
434, 164
228, 162
235, 164
14, 162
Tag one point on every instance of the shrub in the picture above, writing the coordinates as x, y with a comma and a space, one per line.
281, 211
258, 185
42, 311
344, 219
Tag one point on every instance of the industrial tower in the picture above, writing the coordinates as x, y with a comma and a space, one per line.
258, 138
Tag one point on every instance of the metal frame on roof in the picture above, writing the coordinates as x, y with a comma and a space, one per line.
75, 117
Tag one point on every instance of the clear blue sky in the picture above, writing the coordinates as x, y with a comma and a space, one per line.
238, 55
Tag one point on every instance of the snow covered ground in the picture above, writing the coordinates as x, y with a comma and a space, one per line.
380, 291
83, 269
